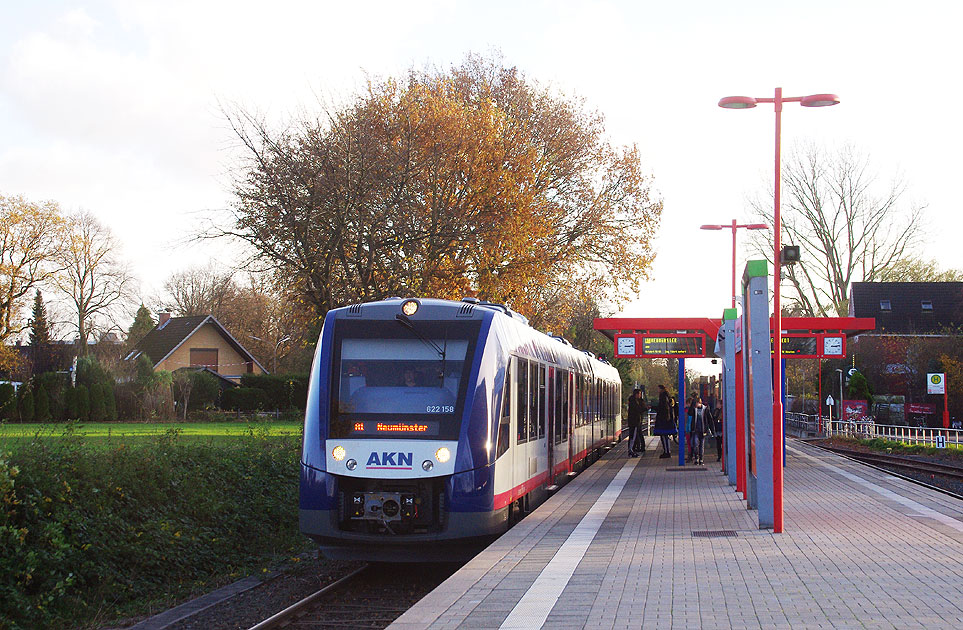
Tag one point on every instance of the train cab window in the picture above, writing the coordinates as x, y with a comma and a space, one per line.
414, 378
522, 397
505, 421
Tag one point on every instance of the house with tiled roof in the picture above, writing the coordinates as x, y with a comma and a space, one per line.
196, 342
909, 308
917, 323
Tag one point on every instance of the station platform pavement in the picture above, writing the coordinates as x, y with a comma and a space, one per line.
641, 543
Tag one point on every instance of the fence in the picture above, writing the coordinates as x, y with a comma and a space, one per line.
865, 428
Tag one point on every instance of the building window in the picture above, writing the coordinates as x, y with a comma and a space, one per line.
885, 305
927, 305
204, 357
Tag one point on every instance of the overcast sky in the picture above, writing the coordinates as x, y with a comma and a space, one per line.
113, 107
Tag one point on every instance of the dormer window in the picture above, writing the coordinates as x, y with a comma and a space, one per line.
927, 305
885, 305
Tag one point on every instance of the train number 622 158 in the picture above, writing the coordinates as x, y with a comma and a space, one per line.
440, 409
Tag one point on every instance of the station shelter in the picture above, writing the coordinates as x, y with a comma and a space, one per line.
754, 441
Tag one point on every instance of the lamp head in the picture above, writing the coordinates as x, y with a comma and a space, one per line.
757, 226
819, 100
737, 102
710, 227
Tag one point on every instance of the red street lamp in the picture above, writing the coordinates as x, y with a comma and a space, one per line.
747, 102
734, 226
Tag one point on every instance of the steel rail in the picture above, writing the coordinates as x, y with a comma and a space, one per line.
945, 470
292, 610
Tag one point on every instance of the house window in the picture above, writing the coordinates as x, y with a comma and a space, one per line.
885, 305
927, 305
204, 357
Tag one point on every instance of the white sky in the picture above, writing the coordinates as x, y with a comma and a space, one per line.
113, 106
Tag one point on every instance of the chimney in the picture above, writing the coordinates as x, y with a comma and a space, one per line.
162, 319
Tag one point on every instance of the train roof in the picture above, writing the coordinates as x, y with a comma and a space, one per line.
548, 347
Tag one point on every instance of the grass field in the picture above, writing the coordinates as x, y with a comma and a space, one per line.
136, 432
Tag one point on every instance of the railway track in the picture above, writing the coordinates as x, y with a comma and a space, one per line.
906, 463
370, 597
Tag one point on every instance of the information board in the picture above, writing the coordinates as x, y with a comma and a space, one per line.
644, 346
812, 345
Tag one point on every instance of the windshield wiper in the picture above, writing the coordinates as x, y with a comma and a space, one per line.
407, 323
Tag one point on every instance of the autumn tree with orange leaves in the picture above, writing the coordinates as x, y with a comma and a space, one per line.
471, 181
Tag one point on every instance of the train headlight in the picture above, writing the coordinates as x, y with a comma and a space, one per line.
443, 454
409, 308
338, 453
427, 465
351, 464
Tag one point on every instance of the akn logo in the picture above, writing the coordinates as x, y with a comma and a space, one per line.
390, 461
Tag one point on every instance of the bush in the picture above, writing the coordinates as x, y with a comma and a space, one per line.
98, 410
56, 386
8, 402
205, 390
41, 404
281, 391
26, 404
89, 534
244, 399
78, 403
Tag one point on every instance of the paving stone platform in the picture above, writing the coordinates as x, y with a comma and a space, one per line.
635, 543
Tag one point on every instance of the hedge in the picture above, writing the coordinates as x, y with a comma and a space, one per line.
93, 534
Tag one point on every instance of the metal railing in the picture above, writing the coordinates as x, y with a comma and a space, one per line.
866, 428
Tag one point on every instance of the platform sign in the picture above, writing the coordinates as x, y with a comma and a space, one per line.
646, 346
940, 441
935, 383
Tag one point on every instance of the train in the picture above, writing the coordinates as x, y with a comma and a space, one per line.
432, 426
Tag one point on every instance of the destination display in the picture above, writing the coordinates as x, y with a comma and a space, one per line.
660, 346
363, 427
812, 346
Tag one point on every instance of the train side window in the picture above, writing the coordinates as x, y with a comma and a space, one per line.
522, 397
533, 399
505, 421
542, 401
559, 393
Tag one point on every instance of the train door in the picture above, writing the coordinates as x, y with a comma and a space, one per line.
543, 460
551, 435
504, 438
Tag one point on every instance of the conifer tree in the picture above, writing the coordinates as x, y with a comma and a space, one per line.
39, 326
143, 324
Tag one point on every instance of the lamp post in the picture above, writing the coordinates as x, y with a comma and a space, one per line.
839, 410
277, 346
747, 102
734, 226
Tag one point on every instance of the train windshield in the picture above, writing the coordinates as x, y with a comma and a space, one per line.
394, 379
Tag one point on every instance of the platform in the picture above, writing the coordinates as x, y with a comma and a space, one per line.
635, 543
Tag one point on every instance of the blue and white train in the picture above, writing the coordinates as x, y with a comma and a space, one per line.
433, 425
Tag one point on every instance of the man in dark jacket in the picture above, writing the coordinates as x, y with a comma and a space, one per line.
637, 410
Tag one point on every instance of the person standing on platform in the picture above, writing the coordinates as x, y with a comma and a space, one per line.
689, 412
717, 426
636, 409
701, 416
663, 421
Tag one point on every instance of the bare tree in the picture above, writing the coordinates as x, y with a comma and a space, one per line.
94, 279
919, 270
849, 228
201, 291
